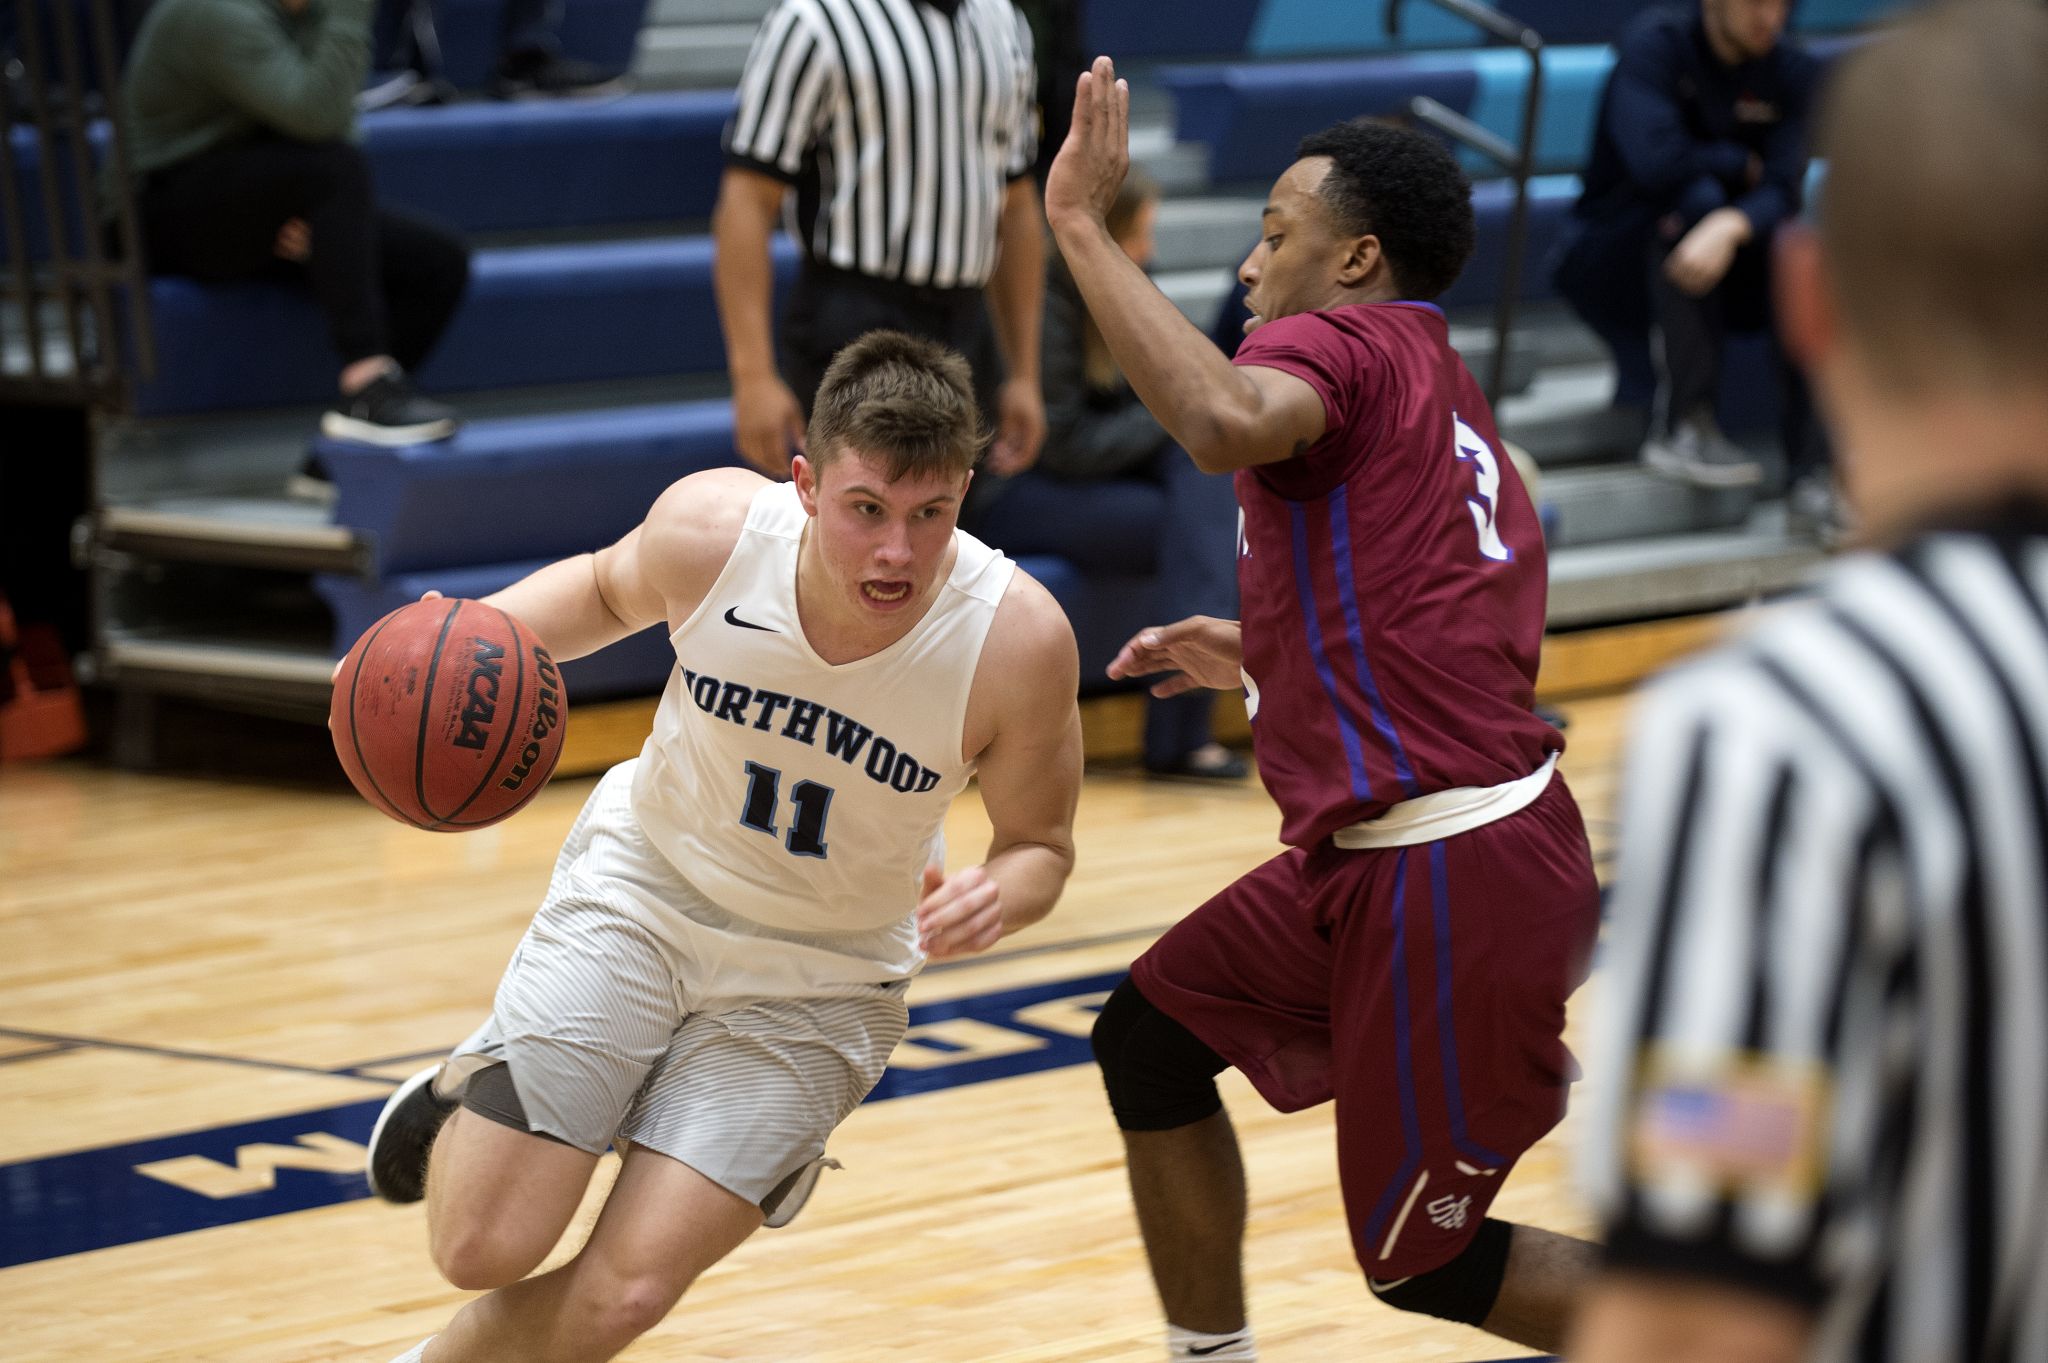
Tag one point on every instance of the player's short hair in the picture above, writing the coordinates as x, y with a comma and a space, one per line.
1934, 215
1403, 187
904, 400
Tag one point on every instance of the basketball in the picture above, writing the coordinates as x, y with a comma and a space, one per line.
447, 715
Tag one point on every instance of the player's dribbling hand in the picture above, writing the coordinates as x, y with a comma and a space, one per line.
959, 914
1201, 652
1090, 167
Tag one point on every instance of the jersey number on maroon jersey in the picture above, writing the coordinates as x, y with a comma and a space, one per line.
807, 831
1471, 449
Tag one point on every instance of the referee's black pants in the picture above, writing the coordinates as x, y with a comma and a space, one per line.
830, 308
387, 282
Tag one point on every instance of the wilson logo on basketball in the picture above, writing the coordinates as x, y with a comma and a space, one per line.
547, 714
483, 695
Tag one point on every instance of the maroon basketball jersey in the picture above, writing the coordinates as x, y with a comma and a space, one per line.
1392, 578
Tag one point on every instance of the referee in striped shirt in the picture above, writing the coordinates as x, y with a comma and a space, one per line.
1821, 1124
908, 130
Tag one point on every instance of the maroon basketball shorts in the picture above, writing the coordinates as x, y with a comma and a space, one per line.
1421, 987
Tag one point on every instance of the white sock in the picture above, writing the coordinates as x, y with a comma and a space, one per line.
1236, 1346
415, 1353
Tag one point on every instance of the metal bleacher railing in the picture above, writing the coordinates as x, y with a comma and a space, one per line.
1518, 161
78, 283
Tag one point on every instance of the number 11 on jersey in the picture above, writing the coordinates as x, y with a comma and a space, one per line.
807, 830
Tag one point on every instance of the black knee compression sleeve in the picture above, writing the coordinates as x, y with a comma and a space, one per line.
1159, 1074
490, 1093
1462, 1290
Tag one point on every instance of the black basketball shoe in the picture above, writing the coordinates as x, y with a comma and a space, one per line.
404, 1136
787, 1198
388, 411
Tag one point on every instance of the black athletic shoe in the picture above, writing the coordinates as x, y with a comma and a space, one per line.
550, 76
1210, 762
390, 412
787, 1198
404, 1136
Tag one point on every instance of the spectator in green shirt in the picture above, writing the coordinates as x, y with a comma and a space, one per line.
241, 117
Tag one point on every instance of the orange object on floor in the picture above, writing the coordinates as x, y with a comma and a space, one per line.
41, 715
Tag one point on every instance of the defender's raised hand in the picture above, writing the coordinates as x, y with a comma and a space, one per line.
1090, 167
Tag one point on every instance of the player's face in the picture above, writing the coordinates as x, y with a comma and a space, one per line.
1745, 29
1294, 267
881, 542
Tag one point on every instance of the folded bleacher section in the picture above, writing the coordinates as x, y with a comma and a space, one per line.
589, 359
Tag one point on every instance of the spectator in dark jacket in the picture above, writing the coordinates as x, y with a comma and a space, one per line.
1113, 495
1698, 156
241, 120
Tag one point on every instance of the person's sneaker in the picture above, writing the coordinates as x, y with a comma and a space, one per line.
787, 1198
404, 1136
390, 412
404, 89
311, 483
553, 76
1210, 762
1697, 453
1814, 507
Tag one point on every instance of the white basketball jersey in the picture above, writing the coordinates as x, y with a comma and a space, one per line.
801, 795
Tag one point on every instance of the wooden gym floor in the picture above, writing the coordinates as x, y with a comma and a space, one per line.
207, 987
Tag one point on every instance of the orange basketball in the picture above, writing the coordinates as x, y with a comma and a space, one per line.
448, 714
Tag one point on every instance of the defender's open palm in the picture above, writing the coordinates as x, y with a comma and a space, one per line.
1090, 167
1201, 651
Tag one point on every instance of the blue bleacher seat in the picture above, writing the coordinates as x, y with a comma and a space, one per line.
1105, 612
635, 666
1251, 115
533, 315
492, 166
1296, 28
495, 166
559, 484
1550, 205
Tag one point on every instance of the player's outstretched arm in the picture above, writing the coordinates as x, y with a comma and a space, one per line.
1199, 652
657, 572
1225, 416
1024, 729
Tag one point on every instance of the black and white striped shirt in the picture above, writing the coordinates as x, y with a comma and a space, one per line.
1822, 1058
900, 122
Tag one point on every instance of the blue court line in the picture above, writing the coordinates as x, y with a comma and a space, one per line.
95, 1199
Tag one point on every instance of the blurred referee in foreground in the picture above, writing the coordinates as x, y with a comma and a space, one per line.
1821, 1128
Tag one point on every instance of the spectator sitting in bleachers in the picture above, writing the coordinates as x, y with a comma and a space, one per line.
1112, 493
1699, 154
240, 118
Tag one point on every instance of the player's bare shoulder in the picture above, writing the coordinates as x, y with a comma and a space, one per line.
1030, 668
690, 532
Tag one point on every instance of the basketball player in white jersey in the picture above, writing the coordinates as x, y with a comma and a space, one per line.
717, 975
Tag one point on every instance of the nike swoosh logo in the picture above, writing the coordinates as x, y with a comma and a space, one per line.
1214, 1348
732, 619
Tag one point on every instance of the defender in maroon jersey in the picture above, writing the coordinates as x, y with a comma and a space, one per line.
1411, 954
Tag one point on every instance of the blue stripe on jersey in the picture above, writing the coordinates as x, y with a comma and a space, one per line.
1404, 1065
1304, 586
1347, 595
1447, 1038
